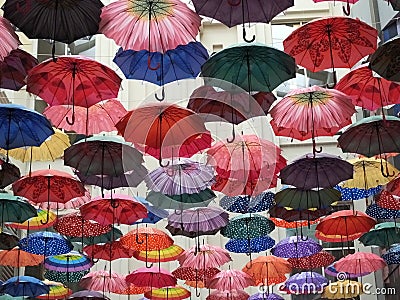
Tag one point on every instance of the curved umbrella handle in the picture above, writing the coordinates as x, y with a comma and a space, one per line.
245, 38
304, 238
161, 163
158, 98
233, 135
47, 218
149, 64
385, 173
137, 240
113, 203
231, 3
72, 118
346, 10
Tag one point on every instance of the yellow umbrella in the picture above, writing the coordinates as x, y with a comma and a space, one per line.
369, 173
346, 289
50, 149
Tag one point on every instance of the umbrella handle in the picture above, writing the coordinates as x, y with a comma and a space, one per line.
385, 173
231, 3
72, 118
162, 95
149, 64
245, 38
233, 135
346, 9
47, 219
137, 240
161, 163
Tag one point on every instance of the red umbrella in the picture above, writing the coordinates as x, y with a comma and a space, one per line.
73, 80
386, 200
315, 261
97, 118
334, 42
153, 277
165, 130
132, 290
103, 281
48, 185
369, 91
108, 251
359, 263
74, 203
228, 295
231, 280
233, 187
114, 209
337, 238
192, 274
19, 258
393, 186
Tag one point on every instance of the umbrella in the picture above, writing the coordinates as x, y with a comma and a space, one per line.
310, 112
368, 91
8, 38
331, 271
14, 68
296, 247
8, 240
163, 255
383, 235
265, 296
321, 171
145, 239
349, 194
360, 262
315, 45
207, 256
248, 226
392, 256
87, 295
171, 293
386, 200
346, 289
19, 258
382, 60
153, 277
50, 149
254, 245
337, 238
231, 280
103, 281
154, 213
315, 261
252, 67
199, 221
107, 237
74, 203
68, 262
346, 9
36, 223
65, 277
305, 283
156, 26
132, 290
233, 13
165, 130
228, 295
233, 187
184, 177
192, 274
296, 218
110, 182
346, 223
22, 127
100, 117
56, 292
45, 243
113, 209
8, 172
248, 204
73, 80
300, 199
25, 286
109, 251
15, 209
377, 212
182, 201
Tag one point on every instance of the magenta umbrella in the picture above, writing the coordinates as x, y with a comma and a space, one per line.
103, 281
8, 38
153, 277
231, 280
207, 257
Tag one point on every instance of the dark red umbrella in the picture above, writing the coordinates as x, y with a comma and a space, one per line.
8, 173
192, 274
153, 277
108, 251
318, 260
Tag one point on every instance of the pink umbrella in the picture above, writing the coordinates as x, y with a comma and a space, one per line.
74, 203
103, 281
228, 295
97, 118
360, 263
230, 280
207, 257
156, 26
8, 38
153, 277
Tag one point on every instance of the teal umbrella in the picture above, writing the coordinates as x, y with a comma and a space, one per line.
65, 277
248, 226
252, 67
383, 235
15, 209
182, 201
108, 237
300, 199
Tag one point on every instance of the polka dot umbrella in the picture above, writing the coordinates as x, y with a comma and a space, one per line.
296, 247
349, 194
386, 200
392, 256
377, 212
65, 277
247, 204
132, 290
315, 261
192, 274
295, 224
248, 226
45, 243
248, 246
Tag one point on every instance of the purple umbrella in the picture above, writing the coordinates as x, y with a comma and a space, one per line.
296, 247
88, 295
198, 221
305, 283
321, 171
331, 271
265, 296
184, 177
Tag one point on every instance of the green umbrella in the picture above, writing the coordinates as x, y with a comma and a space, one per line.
100, 239
252, 67
248, 226
383, 235
15, 209
180, 202
65, 277
305, 199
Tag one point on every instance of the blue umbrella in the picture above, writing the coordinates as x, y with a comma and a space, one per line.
24, 286
377, 212
154, 214
254, 245
21, 127
349, 194
306, 283
393, 255
45, 243
248, 204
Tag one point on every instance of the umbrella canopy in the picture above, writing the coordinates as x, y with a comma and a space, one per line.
100, 117
252, 67
296, 247
337, 238
109, 182
184, 177
172, 293
231, 279
153, 277
248, 226
8, 172
132, 290
300, 199
69, 262
368, 91
25, 286
298, 217
392, 256
113, 209
246, 245
383, 235
315, 261
192, 274
103, 281
107, 237
14, 68
232, 187
56, 292
8, 38
360, 262
156, 26
182, 201
331, 271
87, 295
315, 44
154, 213
319, 171
8, 240
22, 127
382, 60
265, 296
346, 289
305, 283
377, 212
19, 258
15, 209
293, 224
163, 255
228, 295
248, 204
386, 200
65, 277
349, 194
45, 243
145, 239
198, 221
108, 251
36, 223
207, 256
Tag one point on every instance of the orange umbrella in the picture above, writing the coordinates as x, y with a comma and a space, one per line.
132, 290
19, 258
145, 239
337, 238
285, 224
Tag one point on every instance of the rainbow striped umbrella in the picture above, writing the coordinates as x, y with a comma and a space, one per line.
36, 223
171, 293
157, 256
56, 292
70, 262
